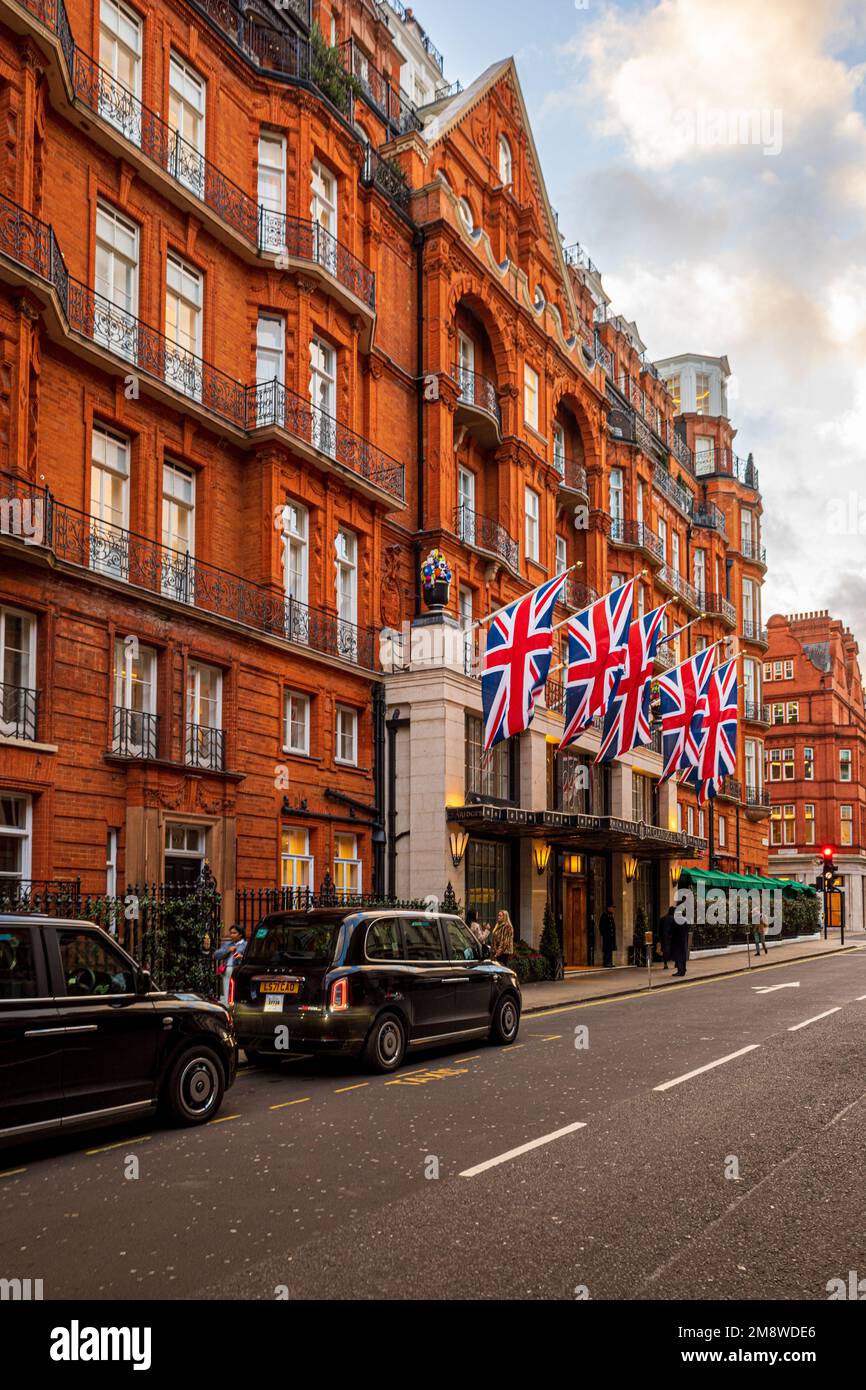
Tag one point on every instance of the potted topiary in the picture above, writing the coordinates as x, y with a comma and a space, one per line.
436, 580
550, 945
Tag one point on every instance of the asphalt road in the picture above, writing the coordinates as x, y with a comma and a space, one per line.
743, 1181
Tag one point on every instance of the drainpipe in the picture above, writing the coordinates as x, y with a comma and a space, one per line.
394, 724
379, 788
419, 242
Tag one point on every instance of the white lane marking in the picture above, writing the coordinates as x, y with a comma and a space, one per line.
731, 1057
860, 998
771, 989
806, 1023
523, 1149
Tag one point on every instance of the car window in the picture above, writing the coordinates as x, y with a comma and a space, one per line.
383, 940
461, 943
92, 966
422, 939
17, 964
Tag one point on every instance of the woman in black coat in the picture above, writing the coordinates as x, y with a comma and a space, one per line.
679, 946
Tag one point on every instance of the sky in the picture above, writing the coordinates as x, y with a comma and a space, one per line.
720, 236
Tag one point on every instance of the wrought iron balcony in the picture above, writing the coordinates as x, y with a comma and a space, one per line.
82, 540
709, 517
756, 714
753, 632
666, 657
554, 697
638, 534
392, 105
407, 17
18, 711
204, 748
757, 798
719, 605
730, 789
576, 256
31, 242
135, 734
603, 356
305, 240
674, 491
484, 533
387, 176
579, 595
668, 577
572, 474
750, 550
477, 392
717, 462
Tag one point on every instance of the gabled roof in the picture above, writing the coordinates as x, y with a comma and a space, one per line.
449, 116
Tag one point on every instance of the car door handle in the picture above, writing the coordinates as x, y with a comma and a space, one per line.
83, 1028
44, 1032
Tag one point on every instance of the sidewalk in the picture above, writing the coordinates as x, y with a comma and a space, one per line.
622, 980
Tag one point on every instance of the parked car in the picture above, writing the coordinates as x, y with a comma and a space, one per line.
87, 1038
368, 983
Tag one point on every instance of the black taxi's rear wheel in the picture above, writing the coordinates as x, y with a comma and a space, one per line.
506, 1021
195, 1087
386, 1044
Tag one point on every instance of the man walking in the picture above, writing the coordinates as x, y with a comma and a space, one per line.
679, 947
607, 932
666, 928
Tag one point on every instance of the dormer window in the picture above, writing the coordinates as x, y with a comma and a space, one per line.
506, 162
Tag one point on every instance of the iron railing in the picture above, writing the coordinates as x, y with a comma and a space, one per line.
407, 17
666, 657
83, 540
32, 243
18, 712
717, 461
310, 241
448, 90
387, 176
637, 533
730, 789
718, 604
576, 256
579, 595
572, 474
710, 517
49, 897
486, 534
753, 632
751, 550
135, 734
392, 104
204, 748
756, 713
477, 391
758, 798
674, 491
252, 905
603, 356
668, 576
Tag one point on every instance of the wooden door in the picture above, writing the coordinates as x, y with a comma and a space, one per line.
574, 923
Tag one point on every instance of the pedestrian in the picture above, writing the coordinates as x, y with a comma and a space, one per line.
607, 932
478, 930
666, 929
503, 938
230, 954
679, 943
760, 935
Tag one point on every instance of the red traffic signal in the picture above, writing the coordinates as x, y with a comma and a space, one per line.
828, 851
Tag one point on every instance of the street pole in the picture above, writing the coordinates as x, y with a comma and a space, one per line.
826, 910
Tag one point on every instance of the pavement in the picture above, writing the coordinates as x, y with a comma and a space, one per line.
701, 1141
608, 984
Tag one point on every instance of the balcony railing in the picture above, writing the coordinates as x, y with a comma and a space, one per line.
579, 595
750, 550
135, 734
18, 712
407, 17
718, 604
730, 789
391, 104
32, 243
572, 474
753, 632
710, 517
576, 255
603, 356
637, 533
722, 462
204, 748
756, 714
477, 391
309, 241
675, 582
388, 177
674, 491
486, 534
758, 798
666, 657
80, 539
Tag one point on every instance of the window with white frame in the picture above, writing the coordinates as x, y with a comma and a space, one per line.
561, 555
663, 537
700, 571
779, 713
466, 505
347, 866
120, 60
808, 764
532, 503
640, 495
17, 674
272, 190
675, 551
178, 530
752, 765
346, 565
530, 396
506, 162
111, 843
297, 866
750, 678
559, 448
846, 826
296, 736
768, 670
789, 670
702, 393
466, 609
295, 535
347, 736
186, 118
723, 832
809, 823
323, 211
845, 764
616, 501
793, 711
690, 820
749, 605
705, 455
775, 765
183, 326
674, 390
789, 770
776, 826
134, 724
204, 716
747, 525
109, 503
270, 370
323, 394
790, 824
16, 829
116, 281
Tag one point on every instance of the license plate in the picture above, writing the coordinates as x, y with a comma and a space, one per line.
280, 986
274, 1003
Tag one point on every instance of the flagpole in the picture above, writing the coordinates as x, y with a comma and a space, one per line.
680, 630
490, 616
567, 620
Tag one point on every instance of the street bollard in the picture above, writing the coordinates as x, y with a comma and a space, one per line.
648, 942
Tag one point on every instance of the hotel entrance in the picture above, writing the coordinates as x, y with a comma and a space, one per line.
584, 885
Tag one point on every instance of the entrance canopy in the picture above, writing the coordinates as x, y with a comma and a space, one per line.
714, 879
578, 831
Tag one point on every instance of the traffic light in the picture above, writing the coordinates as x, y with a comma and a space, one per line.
828, 867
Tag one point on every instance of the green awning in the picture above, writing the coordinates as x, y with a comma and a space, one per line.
712, 879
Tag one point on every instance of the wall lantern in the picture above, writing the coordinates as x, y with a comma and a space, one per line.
676, 874
630, 868
573, 864
541, 854
458, 839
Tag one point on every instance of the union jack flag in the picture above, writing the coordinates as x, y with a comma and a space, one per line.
597, 642
717, 756
517, 660
683, 694
627, 717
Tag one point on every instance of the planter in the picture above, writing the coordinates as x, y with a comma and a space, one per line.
436, 595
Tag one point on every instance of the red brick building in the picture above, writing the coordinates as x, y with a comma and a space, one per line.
816, 752
270, 328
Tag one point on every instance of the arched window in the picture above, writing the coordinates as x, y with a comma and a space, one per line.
466, 214
506, 163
